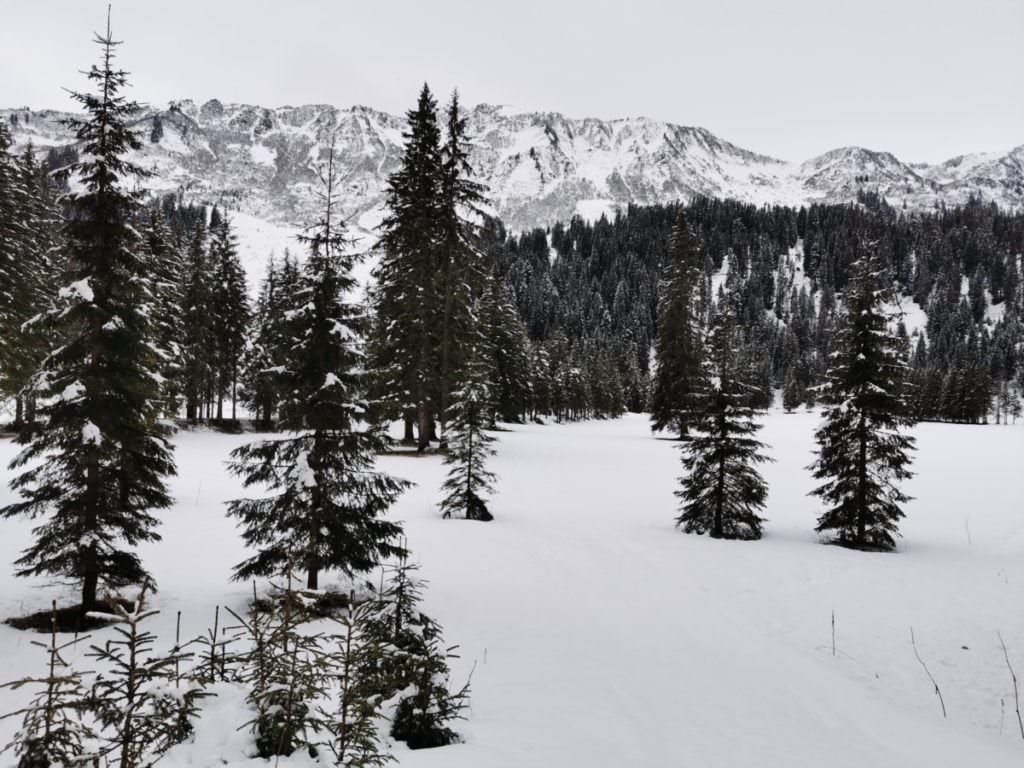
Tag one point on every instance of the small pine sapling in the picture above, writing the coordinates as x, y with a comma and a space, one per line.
53, 732
413, 667
286, 676
135, 699
469, 447
355, 723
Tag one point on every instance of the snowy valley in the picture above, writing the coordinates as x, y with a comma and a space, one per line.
599, 636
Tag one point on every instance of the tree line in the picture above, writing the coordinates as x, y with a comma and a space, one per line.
957, 302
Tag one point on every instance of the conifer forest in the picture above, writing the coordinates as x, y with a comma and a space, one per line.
472, 436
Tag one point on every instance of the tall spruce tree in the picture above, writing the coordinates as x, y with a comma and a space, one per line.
678, 344
29, 271
230, 315
406, 298
460, 272
197, 326
862, 453
94, 470
329, 499
269, 348
168, 267
722, 491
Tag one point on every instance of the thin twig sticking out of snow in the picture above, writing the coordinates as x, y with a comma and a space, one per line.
1016, 695
937, 691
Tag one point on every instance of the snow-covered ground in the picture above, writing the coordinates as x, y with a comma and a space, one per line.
602, 636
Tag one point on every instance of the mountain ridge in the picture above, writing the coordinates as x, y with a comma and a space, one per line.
540, 166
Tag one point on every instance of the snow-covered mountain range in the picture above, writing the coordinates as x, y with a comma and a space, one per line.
540, 167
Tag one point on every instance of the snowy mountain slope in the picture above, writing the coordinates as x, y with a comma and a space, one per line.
540, 167
602, 636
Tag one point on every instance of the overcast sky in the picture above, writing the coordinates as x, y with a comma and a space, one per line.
925, 79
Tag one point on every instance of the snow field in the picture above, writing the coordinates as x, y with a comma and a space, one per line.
602, 636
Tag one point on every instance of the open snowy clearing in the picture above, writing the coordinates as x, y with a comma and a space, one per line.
602, 636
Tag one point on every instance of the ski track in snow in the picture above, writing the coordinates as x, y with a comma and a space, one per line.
603, 636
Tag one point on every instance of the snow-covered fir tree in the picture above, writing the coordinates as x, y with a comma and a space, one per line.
261, 383
460, 271
414, 665
168, 267
430, 271
197, 326
506, 353
678, 344
863, 450
326, 508
722, 491
469, 448
93, 471
30, 266
230, 315
405, 298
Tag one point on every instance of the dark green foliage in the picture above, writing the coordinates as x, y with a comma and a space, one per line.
354, 724
469, 447
597, 283
413, 656
167, 264
506, 354
144, 706
53, 731
430, 272
326, 508
30, 265
285, 674
197, 343
678, 345
94, 469
230, 315
863, 455
266, 355
722, 492
405, 298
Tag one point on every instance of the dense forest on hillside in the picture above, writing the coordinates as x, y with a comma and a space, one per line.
957, 274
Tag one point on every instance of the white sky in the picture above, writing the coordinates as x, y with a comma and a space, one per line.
924, 79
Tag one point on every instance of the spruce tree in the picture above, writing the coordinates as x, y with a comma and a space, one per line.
505, 352
94, 471
678, 344
29, 272
863, 454
197, 321
230, 316
326, 508
168, 266
460, 272
260, 380
722, 491
406, 301
469, 447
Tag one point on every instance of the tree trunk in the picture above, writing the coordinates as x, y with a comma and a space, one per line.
409, 436
862, 480
424, 428
90, 579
